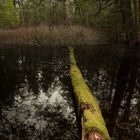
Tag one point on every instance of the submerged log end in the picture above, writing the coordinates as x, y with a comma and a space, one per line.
95, 128
95, 136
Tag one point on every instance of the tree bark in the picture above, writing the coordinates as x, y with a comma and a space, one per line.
92, 122
130, 26
65, 12
139, 12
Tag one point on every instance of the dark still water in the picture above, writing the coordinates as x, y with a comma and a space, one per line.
36, 98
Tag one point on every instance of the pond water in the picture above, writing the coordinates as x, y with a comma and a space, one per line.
36, 97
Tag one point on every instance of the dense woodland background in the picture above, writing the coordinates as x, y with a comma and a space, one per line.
34, 12
104, 14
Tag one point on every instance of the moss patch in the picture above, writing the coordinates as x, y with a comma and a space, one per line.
87, 103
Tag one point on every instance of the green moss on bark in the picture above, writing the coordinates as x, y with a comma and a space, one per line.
93, 120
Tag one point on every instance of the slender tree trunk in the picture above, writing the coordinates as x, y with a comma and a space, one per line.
65, 12
139, 12
129, 22
81, 13
50, 12
21, 12
35, 13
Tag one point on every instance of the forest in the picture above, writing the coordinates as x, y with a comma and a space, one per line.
69, 70
86, 21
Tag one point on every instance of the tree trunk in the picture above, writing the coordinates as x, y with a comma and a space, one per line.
81, 13
135, 11
50, 12
65, 12
130, 26
138, 12
21, 12
92, 122
35, 22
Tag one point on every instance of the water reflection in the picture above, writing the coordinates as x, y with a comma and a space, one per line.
36, 94
34, 101
125, 86
115, 82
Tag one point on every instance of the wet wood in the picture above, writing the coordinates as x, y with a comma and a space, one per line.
92, 123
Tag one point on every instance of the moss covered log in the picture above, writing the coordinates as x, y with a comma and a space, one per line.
92, 122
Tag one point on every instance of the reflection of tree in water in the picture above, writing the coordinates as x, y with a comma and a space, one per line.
41, 107
45, 117
123, 99
60, 127
9, 76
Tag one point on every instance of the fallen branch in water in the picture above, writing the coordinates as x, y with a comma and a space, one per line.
92, 122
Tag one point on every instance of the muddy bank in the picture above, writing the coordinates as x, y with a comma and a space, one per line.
54, 35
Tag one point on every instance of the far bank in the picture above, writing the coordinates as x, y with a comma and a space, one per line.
55, 35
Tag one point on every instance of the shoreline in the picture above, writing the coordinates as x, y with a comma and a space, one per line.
53, 36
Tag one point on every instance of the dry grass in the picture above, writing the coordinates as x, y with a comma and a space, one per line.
53, 35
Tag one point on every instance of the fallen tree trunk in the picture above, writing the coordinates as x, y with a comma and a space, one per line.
92, 122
